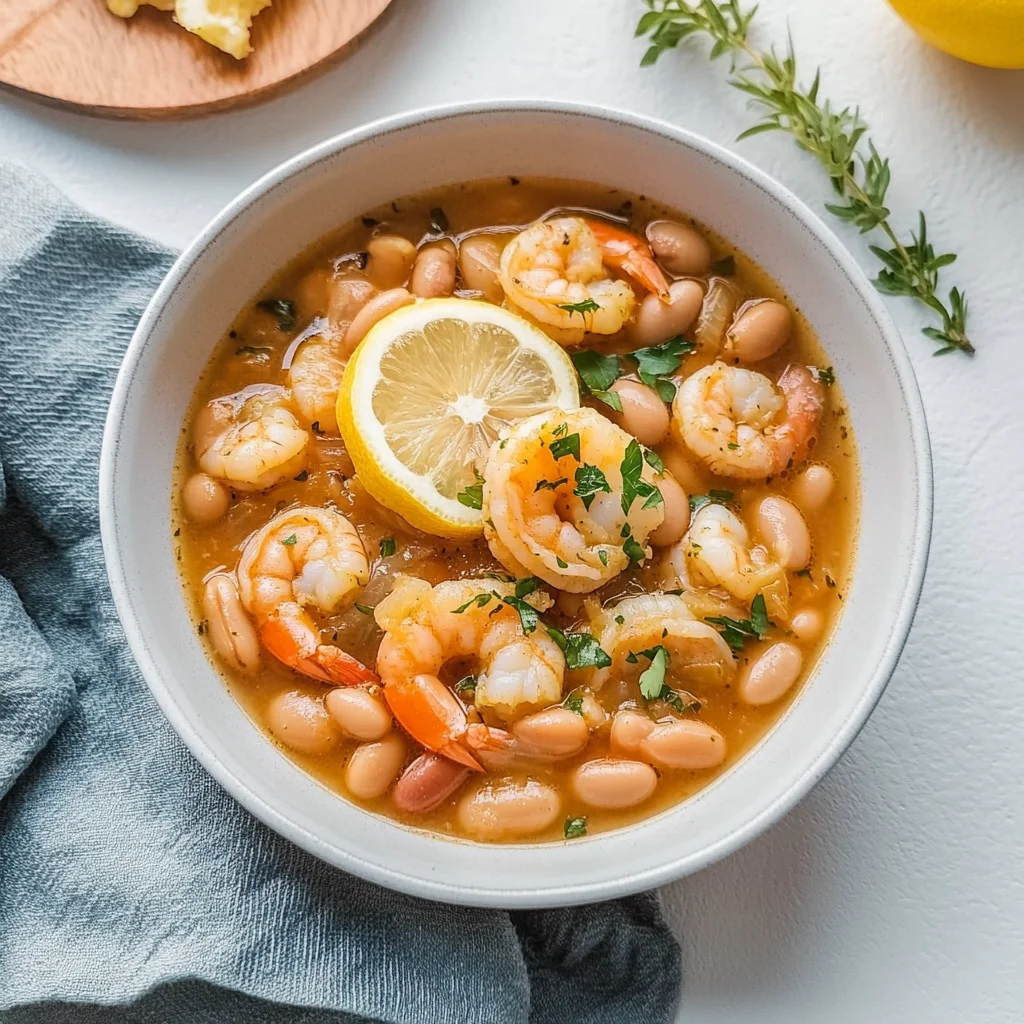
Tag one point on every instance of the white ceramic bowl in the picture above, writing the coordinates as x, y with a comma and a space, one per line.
302, 200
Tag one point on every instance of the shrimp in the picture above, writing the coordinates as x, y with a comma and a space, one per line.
553, 500
315, 376
646, 621
304, 557
717, 553
251, 439
426, 627
742, 426
555, 271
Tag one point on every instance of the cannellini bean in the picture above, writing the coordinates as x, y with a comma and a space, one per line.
375, 310
433, 273
479, 258
556, 732
231, 630
629, 730
508, 808
683, 743
774, 672
611, 783
691, 477
204, 499
679, 248
812, 488
784, 530
760, 329
347, 298
374, 766
427, 783
302, 722
807, 624
391, 259
644, 414
677, 513
360, 714
657, 321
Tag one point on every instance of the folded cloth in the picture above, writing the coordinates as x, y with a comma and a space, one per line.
129, 881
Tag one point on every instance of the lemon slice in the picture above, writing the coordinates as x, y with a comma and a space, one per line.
426, 393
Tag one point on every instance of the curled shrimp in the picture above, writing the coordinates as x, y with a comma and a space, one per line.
426, 627
716, 552
555, 271
314, 377
551, 514
251, 439
305, 557
742, 425
695, 649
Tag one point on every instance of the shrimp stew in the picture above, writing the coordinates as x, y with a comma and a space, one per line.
517, 510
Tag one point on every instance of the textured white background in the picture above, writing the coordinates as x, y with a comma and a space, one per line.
895, 892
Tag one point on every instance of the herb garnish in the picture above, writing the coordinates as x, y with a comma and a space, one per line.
574, 827
466, 685
569, 445
283, 309
289, 541
826, 375
633, 484
574, 703
364, 608
837, 138
551, 485
590, 481
586, 306
479, 600
713, 497
473, 495
656, 362
388, 547
633, 551
736, 632
438, 221
581, 650
598, 373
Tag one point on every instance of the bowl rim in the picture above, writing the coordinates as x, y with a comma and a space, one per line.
672, 867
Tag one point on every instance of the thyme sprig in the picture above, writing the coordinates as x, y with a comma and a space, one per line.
837, 138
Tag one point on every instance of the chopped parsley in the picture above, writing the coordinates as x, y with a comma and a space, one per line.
826, 376
652, 679
568, 445
598, 372
574, 827
562, 564
561, 430
574, 703
633, 551
388, 547
364, 608
726, 266
657, 362
473, 495
736, 632
713, 497
438, 221
653, 459
478, 599
550, 485
466, 687
603, 555
804, 572
581, 650
283, 309
586, 306
290, 540
590, 481
301, 476
633, 484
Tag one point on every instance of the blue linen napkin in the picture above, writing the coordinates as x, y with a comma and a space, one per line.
132, 888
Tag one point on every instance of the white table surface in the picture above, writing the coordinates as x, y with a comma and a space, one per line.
895, 892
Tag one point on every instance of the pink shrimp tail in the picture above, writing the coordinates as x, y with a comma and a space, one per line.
626, 252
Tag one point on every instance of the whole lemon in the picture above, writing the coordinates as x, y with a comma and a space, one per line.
989, 32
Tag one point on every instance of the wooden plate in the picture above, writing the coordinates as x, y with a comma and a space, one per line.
75, 52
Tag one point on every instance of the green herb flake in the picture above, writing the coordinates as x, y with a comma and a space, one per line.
732, 446
438, 221
478, 599
564, 446
529, 618
826, 376
736, 632
527, 586
289, 541
713, 497
574, 828
466, 687
590, 481
561, 430
550, 485
473, 495
586, 306
653, 459
581, 650
725, 267
598, 371
283, 309
620, 619
759, 616
388, 547
574, 703
603, 555
633, 484
634, 552
301, 476
560, 563
804, 572
652, 679
364, 608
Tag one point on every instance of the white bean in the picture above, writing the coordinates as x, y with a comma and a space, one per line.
391, 259
644, 414
677, 513
507, 808
427, 783
612, 783
204, 498
760, 329
774, 672
784, 530
433, 273
555, 732
374, 766
302, 722
657, 321
347, 297
375, 310
812, 488
807, 624
479, 260
629, 730
683, 743
231, 630
679, 248
359, 713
